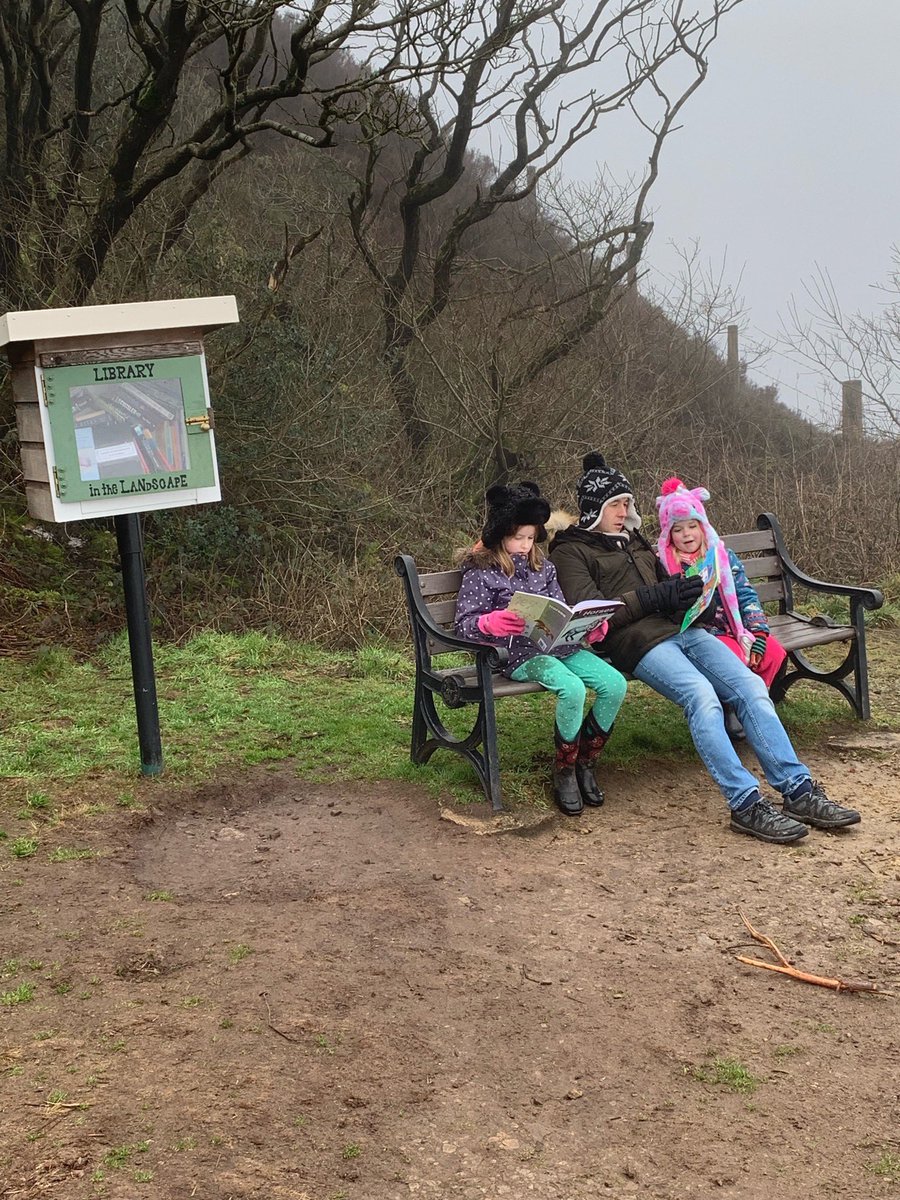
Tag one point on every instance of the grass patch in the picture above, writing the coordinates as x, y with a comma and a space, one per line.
727, 1072
69, 854
787, 1051
23, 847
239, 952
887, 1166
229, 700
119, 1156
35, 801
20, 995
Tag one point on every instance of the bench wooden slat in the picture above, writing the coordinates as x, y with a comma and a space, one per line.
439, 583
443, 612
764, 567
744, 543
436, 647
795, 634
769, 591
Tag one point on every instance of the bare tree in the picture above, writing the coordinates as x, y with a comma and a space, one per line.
855, 345
538, 82
109, 105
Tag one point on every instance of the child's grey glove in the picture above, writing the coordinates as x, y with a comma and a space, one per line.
669, 595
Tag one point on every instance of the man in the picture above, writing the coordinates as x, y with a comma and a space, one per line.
605, 556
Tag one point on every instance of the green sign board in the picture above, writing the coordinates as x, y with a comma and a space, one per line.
130, 428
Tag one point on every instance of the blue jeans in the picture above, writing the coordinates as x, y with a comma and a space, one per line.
701, 674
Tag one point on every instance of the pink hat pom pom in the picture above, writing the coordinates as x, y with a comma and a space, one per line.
672, 485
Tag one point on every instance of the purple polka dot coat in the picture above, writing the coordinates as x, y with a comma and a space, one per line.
485, 588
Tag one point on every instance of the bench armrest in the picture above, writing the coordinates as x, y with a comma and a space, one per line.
496, 657
870, 598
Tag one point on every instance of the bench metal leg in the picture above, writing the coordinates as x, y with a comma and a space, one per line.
478, 747
857, 695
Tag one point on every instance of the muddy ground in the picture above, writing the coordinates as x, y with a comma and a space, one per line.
275, 990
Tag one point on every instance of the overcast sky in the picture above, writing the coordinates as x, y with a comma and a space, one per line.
788, 159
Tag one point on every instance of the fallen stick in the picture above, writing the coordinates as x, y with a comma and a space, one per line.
287, 1036
785, 967
836, 985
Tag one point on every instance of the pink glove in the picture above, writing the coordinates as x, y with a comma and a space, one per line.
501, 623
598, 634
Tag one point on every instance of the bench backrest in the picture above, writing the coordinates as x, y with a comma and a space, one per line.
756, 549
757, 552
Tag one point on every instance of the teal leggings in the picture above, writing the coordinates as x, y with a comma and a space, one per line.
568, 677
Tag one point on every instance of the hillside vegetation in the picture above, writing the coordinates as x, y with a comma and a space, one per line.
414, 326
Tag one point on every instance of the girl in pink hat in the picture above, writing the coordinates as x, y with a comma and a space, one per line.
689, 545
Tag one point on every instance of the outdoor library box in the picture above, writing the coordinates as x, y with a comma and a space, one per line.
113, 407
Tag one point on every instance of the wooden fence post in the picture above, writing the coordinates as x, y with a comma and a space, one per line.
733, 363
851, 412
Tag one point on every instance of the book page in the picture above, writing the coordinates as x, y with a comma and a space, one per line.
550, 623
544, 618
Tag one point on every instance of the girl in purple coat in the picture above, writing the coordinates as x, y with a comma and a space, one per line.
508, 559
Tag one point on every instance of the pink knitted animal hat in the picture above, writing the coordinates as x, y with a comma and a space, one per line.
679, 503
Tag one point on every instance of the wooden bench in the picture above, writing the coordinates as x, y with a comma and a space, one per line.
431, 602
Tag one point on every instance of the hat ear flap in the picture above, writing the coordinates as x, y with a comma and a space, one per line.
701, 494
592, 461
497, 494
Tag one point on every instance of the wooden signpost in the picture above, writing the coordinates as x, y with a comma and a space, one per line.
114, 419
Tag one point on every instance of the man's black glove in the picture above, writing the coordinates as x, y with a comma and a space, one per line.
669, 595
688, 591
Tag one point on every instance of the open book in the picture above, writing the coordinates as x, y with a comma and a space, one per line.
550, 623
708, 570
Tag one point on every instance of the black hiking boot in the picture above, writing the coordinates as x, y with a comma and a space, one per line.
566, 791
814, 808
763, 820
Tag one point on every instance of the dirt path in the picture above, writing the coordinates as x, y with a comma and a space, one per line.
274, 990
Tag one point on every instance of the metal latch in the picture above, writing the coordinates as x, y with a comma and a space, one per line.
206, 422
